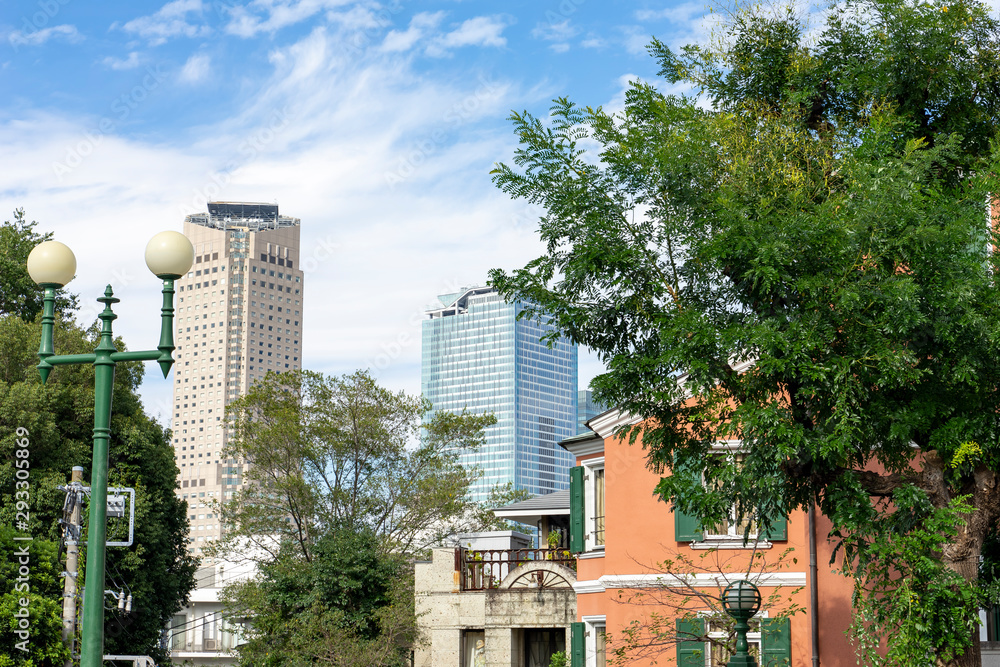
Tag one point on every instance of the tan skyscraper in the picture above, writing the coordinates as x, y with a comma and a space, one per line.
239, 315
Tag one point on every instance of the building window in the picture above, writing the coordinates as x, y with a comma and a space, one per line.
595, 651
733, 527
587, 513
702, 640
735, 532
473, 648
541, 644
717, 630
597, 509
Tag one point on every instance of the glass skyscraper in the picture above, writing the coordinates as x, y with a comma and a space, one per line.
586, 409
478, 355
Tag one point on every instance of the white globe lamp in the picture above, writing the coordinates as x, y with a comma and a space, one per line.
51, 263
169, 255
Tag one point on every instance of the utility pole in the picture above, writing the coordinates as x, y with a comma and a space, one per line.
74, 495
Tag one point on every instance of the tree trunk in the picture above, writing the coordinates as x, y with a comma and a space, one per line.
968, 568
962, 556
962, 553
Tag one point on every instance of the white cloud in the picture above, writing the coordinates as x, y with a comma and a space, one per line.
39, 37
560, 33
122, 63
171, 20
687, 12
555, 32
303, 59
617, 103
196, 68
272, 15
361, 18
635, 39
420, 25
478, 31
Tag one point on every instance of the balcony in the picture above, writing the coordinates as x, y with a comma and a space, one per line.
484, 569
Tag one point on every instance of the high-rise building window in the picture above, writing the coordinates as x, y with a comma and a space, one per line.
235, 228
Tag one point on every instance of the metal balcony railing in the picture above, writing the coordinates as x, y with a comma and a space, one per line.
485, 568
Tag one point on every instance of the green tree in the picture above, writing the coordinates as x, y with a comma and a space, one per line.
351, 605
58, 417
42, 589
804, 266
19, 295
343, 451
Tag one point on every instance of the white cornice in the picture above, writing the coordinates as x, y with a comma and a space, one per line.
605, 424
584, 587
700, 580
725, 543
594, 445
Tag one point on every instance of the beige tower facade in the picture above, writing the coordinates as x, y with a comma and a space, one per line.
239, 315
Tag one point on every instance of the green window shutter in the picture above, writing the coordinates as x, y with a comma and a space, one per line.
578, 644
690, 653
686, 527
576, 529
778, 531
776, 642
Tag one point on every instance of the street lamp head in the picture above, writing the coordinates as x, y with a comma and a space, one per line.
741, 598
169, 255
51, 263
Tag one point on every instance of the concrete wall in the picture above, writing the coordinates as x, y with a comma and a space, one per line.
991, 653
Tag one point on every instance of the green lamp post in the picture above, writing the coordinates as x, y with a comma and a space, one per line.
741, 600
51, 264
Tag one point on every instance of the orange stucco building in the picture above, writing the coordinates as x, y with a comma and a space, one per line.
628, 533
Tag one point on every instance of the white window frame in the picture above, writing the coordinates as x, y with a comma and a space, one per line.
733, 539
592, 623
590, 504
752, 637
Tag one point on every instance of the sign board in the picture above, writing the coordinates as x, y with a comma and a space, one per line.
116, 507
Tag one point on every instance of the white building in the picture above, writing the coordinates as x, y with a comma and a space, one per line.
198, 635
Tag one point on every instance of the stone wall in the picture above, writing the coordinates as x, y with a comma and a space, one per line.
991, 653
444, 612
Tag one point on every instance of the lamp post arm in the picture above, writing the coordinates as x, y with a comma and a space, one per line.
70, 359
143, 355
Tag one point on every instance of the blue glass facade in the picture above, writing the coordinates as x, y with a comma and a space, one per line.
477, 355
586, 409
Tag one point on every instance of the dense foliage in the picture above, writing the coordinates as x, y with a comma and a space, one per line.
351, 605
42, 589
804, 266
341, 450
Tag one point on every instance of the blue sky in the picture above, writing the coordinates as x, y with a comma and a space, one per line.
375, 123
